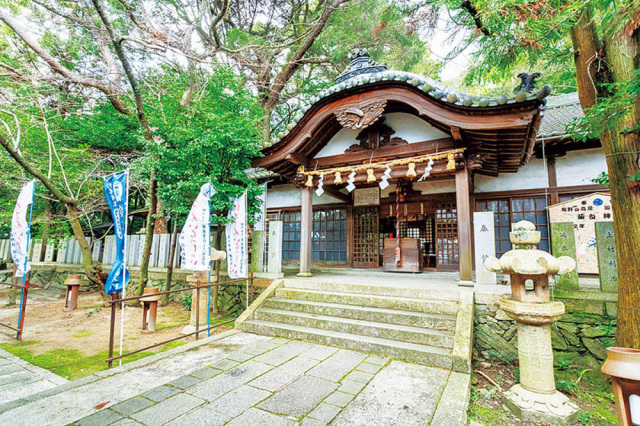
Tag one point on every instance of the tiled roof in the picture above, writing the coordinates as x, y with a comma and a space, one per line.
560, 111
374, 73
260, 173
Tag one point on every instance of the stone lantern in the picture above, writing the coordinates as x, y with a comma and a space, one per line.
535, 398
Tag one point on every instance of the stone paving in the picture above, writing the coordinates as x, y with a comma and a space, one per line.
19, 379
288, 382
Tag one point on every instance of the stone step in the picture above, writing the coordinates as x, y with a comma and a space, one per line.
388, 316
378, 290
423, 354
446, 307
401, 333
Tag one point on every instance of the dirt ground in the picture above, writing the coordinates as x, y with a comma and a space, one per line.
87, 327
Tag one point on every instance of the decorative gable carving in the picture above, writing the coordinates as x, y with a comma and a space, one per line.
361, 116
374, 137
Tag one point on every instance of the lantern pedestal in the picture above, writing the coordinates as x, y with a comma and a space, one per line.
536, 398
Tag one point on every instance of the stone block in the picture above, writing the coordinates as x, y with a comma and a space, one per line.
359, 377
219, 385
557, 341
607, 257
319, 352
596, 347
351, 387
569, 327
161, 393
257, 417
340, 399
453, 404
131, 406
612, 309
494, 340
300, 397
369, 368
203, 416
100, 418
168, 409
205, 373
337, 366
378, 360
224, 364
284, 374
284, 353
239, 400
594, 331
502, 315
184, 382
563, 241
580, 319
581, 306
325, 412
571, 338
512, 331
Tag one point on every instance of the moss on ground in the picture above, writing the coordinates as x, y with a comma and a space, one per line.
586, 386
71, 363
82, 334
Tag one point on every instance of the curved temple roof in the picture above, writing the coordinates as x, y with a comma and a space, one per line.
474, 121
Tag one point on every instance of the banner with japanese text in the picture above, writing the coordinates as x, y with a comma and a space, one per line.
20, 232
117, 193
195, 238
237, 250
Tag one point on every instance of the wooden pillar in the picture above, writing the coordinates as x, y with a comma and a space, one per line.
463, 207
306, 223
553, 180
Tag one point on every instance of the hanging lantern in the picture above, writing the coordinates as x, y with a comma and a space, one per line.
309, 181
370, 176
451, 165
337, 178
412, 170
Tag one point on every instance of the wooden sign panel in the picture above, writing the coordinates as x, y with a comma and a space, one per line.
366, 197
584, 212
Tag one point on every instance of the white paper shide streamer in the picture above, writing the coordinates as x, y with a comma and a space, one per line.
320, 190
427, 170
352, 178
385, 177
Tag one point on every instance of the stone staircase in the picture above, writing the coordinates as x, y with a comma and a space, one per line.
426, 326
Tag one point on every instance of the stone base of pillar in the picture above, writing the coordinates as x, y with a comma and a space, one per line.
554, 408
304, 274
269, 275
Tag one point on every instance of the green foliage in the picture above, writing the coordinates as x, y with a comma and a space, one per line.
213, 139
187, 299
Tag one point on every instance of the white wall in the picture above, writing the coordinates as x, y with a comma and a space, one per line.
579, 167
426, 187
531, 176
287, 195
408, 127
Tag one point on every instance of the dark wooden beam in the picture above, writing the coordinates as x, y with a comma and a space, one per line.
335, 193
455, 133
388, 153
297, 159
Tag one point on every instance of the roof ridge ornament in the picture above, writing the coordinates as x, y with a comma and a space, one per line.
361, 63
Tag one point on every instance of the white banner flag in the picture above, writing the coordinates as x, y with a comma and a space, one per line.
20, 232
195, 238
238, 259
261, 217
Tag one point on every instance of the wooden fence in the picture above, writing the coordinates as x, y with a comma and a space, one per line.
103, 251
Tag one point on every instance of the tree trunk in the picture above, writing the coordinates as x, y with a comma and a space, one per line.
92, 269
160, 225
47, 227
622, 153
172, 254
148, 239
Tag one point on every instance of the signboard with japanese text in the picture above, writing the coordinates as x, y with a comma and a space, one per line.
366, 197
584, 212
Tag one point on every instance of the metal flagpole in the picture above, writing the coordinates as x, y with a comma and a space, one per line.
124, 266
209, 271
26, 260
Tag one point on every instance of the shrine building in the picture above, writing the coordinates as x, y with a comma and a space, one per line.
386, 168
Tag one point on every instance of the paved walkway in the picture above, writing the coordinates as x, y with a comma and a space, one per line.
288, 382
19, 379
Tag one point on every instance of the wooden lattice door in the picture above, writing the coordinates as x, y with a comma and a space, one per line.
447, 235
365, 237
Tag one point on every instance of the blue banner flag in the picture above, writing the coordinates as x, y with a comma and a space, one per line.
116, 190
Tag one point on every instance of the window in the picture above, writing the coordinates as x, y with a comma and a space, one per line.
329, 236
291, 236
511, 210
